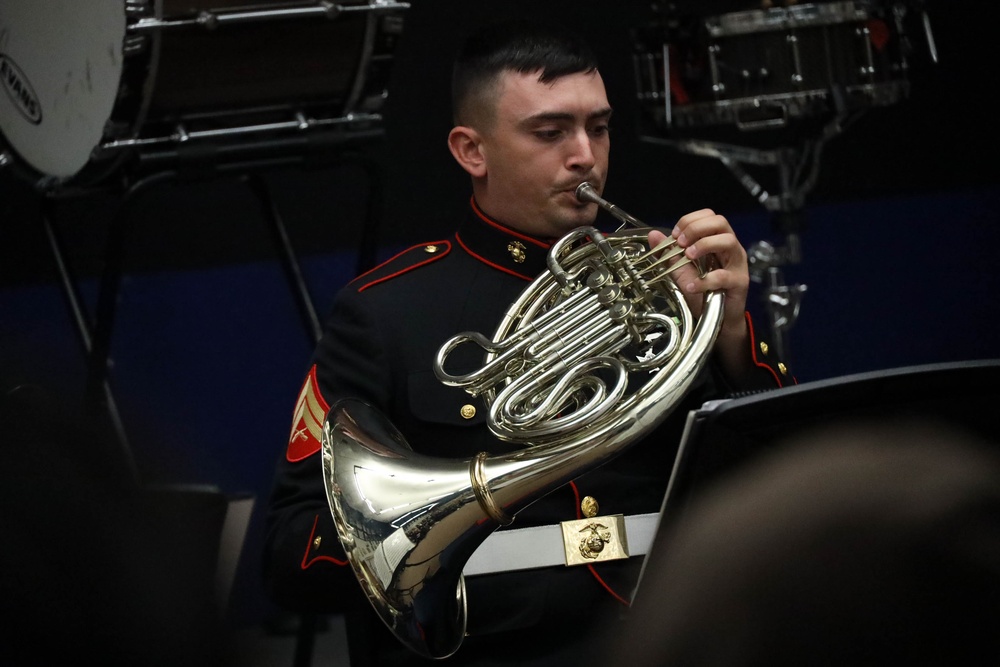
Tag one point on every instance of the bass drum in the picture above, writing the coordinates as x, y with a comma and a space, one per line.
92, 86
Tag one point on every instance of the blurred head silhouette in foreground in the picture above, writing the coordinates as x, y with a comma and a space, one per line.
862, 544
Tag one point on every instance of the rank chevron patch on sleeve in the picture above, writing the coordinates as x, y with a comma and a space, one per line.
307, 421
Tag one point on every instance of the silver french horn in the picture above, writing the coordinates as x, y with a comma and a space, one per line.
593, 355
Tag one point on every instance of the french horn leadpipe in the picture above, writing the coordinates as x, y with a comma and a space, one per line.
556, 378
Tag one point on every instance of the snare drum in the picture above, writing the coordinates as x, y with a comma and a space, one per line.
89, 84
767, 68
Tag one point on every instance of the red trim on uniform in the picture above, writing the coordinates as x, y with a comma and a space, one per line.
606, 587
507, 230
489, 263
306, 561
576, 497
753, 353
437, 256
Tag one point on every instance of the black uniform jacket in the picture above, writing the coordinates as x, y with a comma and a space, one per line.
379, 345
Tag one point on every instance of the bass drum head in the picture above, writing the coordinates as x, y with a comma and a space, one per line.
60, 65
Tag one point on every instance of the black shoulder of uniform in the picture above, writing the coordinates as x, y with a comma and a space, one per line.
408, 260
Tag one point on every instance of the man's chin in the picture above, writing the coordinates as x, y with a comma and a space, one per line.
567, 215
583, 216
569, 224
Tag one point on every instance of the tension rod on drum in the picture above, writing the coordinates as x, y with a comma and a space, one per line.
299, 123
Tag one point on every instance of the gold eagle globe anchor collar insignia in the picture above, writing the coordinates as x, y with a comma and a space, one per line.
595, 538
518, 252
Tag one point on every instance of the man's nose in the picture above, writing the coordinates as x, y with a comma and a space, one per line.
581, 155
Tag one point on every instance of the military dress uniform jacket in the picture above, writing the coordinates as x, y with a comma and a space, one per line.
379, 344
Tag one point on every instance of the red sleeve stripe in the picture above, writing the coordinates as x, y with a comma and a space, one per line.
753, 353
306, 561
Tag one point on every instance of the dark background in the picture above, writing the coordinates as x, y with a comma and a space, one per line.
898, 240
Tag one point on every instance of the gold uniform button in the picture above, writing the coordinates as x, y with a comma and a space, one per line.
318, 541
783, 368
468, 411
763, 348
430, 249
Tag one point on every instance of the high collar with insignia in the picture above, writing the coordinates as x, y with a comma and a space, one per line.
502, 247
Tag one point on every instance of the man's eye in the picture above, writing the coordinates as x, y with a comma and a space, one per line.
548, 135
600, 130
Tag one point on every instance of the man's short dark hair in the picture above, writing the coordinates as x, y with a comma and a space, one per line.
518, 46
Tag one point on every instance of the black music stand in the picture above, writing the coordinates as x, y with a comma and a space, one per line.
723, 436
719, 477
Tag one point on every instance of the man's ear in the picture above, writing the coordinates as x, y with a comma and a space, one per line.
466, 145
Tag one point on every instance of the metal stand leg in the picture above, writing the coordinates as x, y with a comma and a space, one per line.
367, 248
781, 301
797, 171
289, 260
305, 634
96, 339
305, 640
96, 334
77, 311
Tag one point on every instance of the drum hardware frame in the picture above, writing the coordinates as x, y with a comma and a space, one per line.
295, 149
185, 146
148, 124
798, 171
210, 20
734, 93
299, 123
96, 335
96, 332
359, 112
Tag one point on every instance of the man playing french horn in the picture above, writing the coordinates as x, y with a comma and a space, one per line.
531, 128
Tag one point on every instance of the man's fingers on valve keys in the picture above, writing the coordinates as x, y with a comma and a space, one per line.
685, 270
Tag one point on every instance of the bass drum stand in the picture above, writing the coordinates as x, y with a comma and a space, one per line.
159, 92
